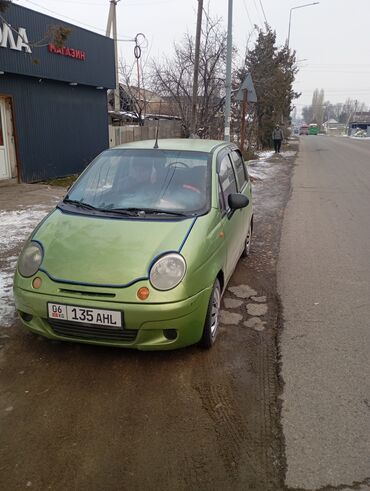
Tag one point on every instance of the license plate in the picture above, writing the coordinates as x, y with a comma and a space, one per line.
85, 315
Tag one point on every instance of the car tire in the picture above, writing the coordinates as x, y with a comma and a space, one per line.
211, 324
248, 241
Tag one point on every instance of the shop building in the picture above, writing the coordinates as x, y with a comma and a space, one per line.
53, 100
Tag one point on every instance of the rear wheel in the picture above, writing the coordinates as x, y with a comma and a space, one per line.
211, 324
248, 242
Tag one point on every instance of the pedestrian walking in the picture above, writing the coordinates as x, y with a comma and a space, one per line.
277, 136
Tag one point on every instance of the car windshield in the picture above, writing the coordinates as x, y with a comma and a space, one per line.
154, 181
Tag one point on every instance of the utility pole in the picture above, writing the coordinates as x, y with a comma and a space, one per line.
351, 113
228, 71
112, 23
196, 68
244, 112
246, 94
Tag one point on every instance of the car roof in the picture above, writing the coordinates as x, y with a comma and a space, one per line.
187, 144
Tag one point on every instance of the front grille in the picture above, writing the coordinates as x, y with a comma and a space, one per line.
86, 293
91, 331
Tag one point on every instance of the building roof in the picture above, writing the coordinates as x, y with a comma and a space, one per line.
363, 117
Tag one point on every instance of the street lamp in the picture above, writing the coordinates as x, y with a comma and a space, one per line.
228, 70
290, 15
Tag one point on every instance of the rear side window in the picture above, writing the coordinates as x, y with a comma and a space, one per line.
240, 170
227, 179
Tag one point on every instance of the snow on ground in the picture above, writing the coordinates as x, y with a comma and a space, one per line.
266, 154
288, 153
264, 166
15, 227
259, 168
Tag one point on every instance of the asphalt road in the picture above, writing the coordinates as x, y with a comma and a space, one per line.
77, 417
324, 284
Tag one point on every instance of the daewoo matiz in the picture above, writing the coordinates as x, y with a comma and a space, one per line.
140, 250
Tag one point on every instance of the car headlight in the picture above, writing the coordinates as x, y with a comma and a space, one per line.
167, 272
30, 259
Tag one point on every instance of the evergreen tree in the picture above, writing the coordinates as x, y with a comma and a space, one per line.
273, 71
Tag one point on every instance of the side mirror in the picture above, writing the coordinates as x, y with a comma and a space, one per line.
237, 200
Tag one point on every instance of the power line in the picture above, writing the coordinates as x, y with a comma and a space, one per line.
248, 15
74, 20
62, 15
341, 91
95, 4
148, 3
78, 2
339, 64
88, 3
308, 104
330, 70
258, 12
263, 11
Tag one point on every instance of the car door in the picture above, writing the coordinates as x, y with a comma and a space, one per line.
244, 187
232, 219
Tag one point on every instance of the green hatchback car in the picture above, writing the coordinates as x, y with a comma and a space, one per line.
140, 250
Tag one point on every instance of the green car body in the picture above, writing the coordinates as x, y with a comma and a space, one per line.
101, 262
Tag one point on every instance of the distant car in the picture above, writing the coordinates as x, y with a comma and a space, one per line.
303, 130
140, 250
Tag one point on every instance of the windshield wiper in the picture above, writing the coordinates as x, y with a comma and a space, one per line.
149, 211
80, 204
87, 206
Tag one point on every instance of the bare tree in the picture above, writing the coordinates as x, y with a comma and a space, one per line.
173, 79
341, 112
133, 96
318, 107
333, 111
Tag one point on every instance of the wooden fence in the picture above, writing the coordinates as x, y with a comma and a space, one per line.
130, 133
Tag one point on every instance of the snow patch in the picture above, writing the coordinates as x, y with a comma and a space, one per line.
288, 153
7, 311
15, 227
266, 154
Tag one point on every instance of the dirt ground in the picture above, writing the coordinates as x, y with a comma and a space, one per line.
76, 417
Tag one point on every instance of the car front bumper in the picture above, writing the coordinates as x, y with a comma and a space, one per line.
146, 326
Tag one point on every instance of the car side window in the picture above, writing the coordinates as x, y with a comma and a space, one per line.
227, 178
240, 169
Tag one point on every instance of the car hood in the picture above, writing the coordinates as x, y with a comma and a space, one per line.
105, 251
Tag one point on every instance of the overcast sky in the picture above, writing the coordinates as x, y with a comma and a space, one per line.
331, 39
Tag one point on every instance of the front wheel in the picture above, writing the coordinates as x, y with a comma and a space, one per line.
212, 318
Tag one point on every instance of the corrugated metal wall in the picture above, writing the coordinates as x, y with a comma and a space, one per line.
59, 128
